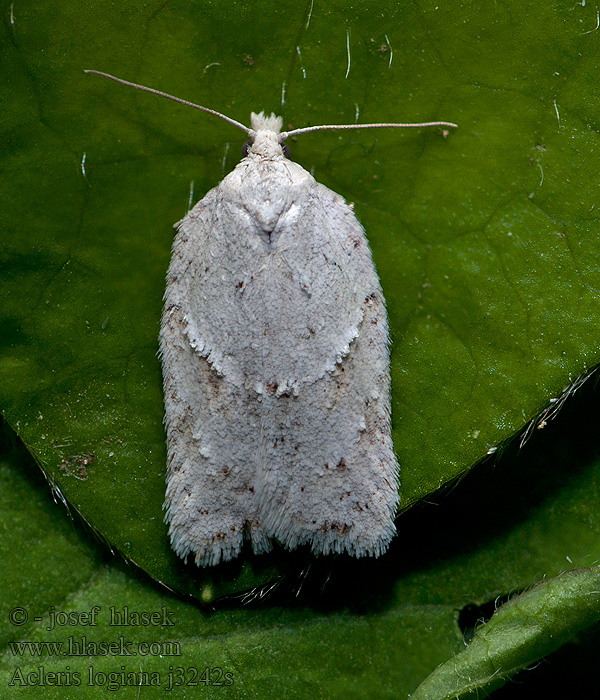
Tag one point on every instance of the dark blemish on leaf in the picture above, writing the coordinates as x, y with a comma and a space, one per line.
76, 465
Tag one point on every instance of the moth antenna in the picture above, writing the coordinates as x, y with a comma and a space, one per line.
173, 98
306, 129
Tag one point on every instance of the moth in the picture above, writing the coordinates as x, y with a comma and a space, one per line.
274, 345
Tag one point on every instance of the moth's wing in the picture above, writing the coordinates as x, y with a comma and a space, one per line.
270, 278
212, 424
276, 370
328, 474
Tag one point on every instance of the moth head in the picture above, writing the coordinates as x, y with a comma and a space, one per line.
265, 140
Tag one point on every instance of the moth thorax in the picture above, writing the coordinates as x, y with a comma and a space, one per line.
265, 144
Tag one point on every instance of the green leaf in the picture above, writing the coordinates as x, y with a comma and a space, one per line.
522, 631
373, 630
486, 244
290, 650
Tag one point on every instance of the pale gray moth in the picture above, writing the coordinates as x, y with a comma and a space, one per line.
275, 355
